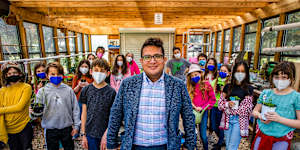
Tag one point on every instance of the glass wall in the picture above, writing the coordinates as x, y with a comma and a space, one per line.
292, 38
10, 42
212, 44
219, 40
86, 43
72, 50
268, 40
79, 43
226, 46
62, 49
236, 39
49, 42
32, 41
250, 39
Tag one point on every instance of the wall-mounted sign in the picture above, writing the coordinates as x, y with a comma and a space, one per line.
158, 18
113, 44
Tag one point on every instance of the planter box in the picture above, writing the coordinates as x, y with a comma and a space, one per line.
265, 109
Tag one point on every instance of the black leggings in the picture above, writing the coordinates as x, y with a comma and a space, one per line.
22, 140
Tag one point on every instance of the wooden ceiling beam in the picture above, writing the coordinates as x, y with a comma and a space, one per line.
249, 1
141, 4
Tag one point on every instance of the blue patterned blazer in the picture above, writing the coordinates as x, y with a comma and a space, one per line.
126, 106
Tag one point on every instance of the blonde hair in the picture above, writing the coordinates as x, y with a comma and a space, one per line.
191, 87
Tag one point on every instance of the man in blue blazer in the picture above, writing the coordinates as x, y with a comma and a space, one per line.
150, 104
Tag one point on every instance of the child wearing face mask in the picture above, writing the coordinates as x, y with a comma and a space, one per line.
211, 70
100, 52
40, 78
91, 58
216, 114
96, 99
236, 104
276, 131
82, 77
177, 66
61, 111
134, 69
15, 126
202, 95
120, 71
202, 61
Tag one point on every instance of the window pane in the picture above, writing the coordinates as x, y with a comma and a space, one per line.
236, 39
64, 62
251, 27
86, 43
32, 38
219, 38
61, 41
48, 39
207, 41
9, 36
79, 41
226, 40
71, 42
49, 55
268, 41
250, 40
212, 42
292, 37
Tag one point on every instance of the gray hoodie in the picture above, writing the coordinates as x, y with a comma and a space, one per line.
61, 107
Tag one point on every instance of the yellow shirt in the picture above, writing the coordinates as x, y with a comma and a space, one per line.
14, 108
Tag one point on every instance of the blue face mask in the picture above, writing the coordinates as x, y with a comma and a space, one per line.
202, 62
56, 79
211, 67
203, 69
196, 79
41, 75
223, 75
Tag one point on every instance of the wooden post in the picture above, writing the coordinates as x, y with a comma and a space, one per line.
242, 37
56, 42
42, 40
215, 44
222, 47
24, 46
76, 43
90, 43
279, 36
257, 44
83, 43
230, 43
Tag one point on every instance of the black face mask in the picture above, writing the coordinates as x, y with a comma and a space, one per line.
14, 78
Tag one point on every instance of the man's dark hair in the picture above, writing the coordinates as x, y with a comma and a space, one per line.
157, 42
175, 48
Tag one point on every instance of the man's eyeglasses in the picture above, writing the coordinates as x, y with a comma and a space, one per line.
157, 57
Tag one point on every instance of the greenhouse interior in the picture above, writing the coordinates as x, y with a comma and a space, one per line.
114, 35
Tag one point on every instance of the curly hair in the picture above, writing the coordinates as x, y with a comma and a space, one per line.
287, 68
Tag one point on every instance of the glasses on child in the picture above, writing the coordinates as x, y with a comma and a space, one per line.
157, 57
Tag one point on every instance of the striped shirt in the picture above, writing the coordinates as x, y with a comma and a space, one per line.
150, 127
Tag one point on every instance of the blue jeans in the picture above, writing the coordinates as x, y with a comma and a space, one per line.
215, 118
93, 143
202, 130
282, 145
233, 134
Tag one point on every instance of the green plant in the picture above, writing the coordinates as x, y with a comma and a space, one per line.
269, 103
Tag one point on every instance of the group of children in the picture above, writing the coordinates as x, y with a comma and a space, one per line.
84, 108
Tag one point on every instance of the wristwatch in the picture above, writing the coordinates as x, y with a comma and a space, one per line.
82, 134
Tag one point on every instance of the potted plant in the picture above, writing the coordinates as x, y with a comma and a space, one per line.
267, 106
236, 101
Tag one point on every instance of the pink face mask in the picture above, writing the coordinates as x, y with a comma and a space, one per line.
100, 55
